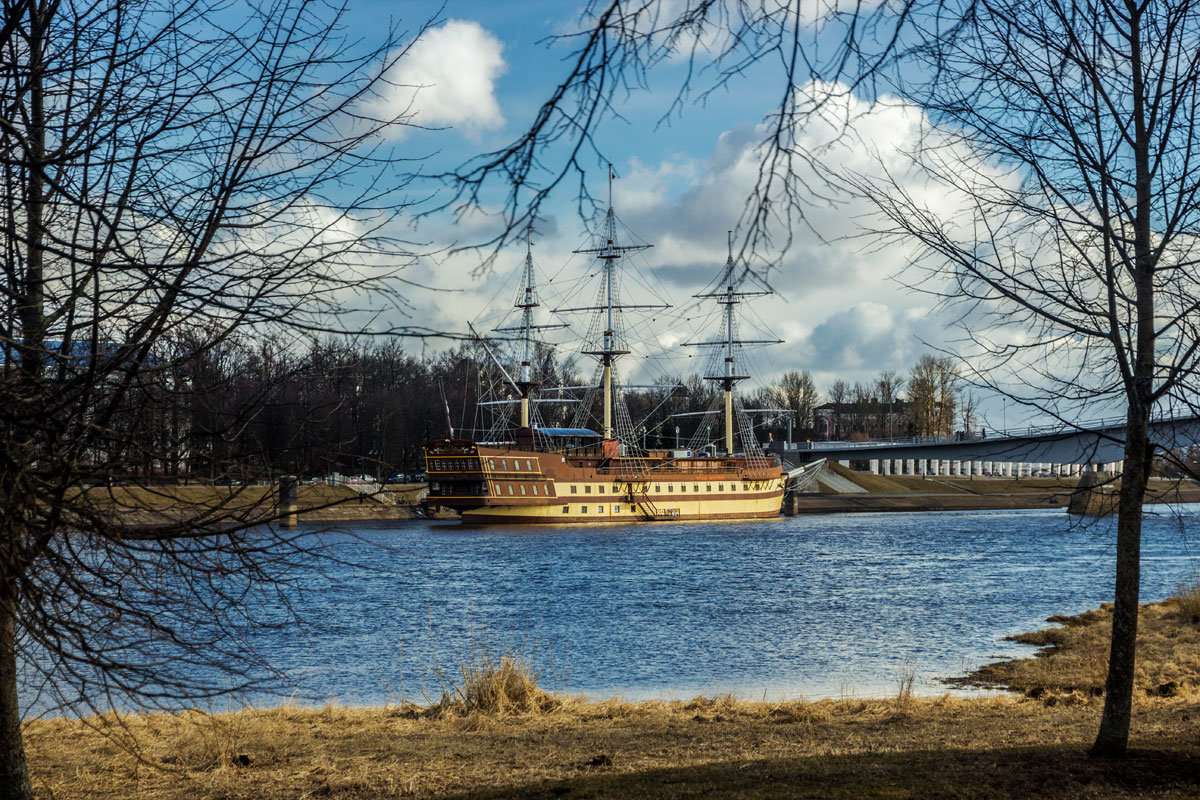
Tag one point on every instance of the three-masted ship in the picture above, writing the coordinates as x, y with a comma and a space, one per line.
544, 474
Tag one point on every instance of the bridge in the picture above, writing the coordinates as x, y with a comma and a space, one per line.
1057, 450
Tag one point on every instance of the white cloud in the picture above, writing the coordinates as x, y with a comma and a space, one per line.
447, 77
840, 310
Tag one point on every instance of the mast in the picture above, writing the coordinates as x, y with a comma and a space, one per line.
527, 302
527, 324
608, 254
729, 297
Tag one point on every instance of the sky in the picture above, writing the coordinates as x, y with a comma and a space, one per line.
842, 305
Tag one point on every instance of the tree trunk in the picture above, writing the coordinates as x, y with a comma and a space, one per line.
14, 770
1113, 737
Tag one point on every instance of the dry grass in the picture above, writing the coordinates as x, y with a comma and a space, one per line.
1074, 658
940, 747
495, 683
1187, 598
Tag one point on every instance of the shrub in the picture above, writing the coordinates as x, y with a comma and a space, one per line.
1187, 597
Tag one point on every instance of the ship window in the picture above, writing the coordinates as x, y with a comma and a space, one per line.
504, 463
671, 489
492, 463
658, 487
522, 488
683, 487
516, 464
708, 486
616, 509
529, 465
616, 488
602, 488
587, 489
583, 509
574, 490
599, 509
535, 488
566, 509
695, 487
510, 491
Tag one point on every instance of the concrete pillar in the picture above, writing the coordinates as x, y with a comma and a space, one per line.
288, 500
885, 467
956, 468
873, 466
844, 463
909, 466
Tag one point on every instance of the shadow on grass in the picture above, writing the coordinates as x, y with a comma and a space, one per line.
1030, 772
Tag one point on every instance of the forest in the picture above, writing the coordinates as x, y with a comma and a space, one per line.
256, 408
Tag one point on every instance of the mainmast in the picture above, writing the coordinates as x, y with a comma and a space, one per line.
729, 297
526, 383
608, 255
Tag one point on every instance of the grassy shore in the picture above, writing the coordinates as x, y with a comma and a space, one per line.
502, 736
168, 502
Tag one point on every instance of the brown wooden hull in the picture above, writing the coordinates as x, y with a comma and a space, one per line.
511, 485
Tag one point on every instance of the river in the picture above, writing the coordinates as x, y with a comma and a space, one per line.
810, 606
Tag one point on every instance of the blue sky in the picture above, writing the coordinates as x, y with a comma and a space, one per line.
486, 69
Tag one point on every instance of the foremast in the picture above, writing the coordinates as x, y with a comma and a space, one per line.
729, 296
526, 303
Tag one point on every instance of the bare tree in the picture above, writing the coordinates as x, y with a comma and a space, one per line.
932, 387
1066, 134
888, 385
174, 174
968, 411
797, 391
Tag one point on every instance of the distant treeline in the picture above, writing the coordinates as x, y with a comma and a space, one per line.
258, 408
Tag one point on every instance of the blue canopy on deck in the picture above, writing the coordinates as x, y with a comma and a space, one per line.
566, 432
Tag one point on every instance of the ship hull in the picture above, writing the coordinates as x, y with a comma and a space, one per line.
491, 485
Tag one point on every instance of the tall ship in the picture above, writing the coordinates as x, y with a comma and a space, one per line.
594, 469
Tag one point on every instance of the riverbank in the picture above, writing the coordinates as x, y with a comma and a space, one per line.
506, 738
866, 492
316, 503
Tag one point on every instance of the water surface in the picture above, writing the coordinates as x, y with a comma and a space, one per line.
810, 606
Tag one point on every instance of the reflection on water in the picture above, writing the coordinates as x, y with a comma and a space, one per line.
813, 606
